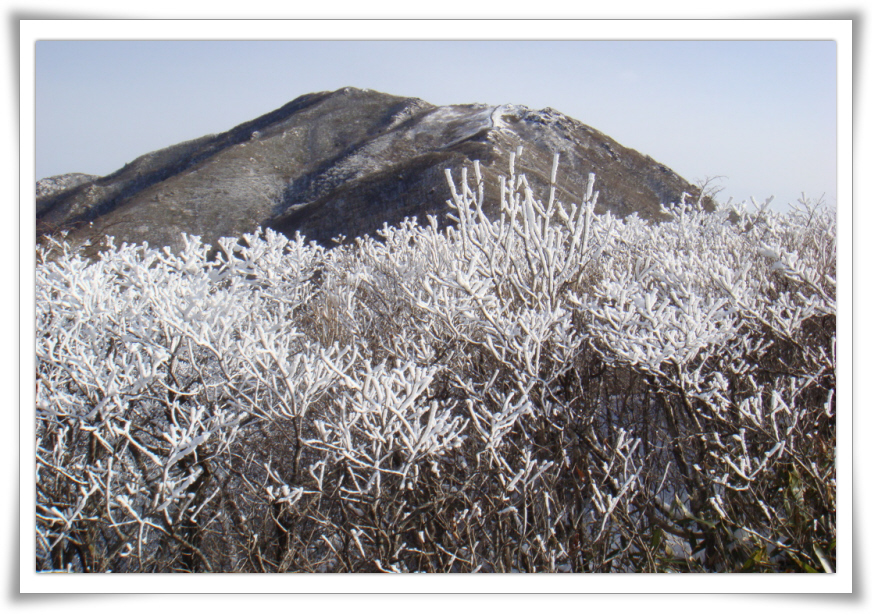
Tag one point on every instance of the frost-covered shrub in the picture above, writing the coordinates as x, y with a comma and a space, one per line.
734, 333
546, 390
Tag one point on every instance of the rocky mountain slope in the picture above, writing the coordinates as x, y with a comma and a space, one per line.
344, 163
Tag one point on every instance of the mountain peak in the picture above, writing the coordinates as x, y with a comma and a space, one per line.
344, 163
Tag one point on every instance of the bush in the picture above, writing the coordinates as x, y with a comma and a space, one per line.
552, 390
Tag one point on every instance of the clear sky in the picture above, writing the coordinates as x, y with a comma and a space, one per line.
760, 114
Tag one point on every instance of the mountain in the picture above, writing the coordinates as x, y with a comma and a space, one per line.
344, 163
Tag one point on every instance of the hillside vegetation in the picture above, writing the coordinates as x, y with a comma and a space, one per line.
549, 389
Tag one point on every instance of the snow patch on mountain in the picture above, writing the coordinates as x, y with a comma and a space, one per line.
454, 123
50, 186
504, 113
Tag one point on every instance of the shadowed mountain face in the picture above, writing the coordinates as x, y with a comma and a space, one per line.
345, 163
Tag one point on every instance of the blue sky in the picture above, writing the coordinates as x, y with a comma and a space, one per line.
760, 114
